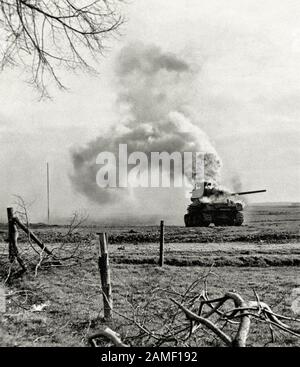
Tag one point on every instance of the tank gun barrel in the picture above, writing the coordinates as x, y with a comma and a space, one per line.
248, 192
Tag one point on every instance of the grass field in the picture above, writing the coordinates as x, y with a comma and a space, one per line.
263, 255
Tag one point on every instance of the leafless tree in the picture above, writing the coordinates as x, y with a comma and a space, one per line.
22, 211
44, 36
76, 221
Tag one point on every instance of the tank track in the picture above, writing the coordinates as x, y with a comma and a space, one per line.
206, 219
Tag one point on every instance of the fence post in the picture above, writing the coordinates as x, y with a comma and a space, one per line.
12, 239
161, 244
12, 235
104, 269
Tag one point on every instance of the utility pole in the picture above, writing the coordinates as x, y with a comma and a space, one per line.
48, 194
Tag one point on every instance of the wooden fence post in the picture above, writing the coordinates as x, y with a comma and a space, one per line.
161, 244
12, 239
104, 269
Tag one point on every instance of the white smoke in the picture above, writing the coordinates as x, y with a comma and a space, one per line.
154, 94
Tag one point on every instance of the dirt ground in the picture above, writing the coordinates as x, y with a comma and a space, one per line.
60, 305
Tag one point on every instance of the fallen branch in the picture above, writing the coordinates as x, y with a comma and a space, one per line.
243, 311
108, 334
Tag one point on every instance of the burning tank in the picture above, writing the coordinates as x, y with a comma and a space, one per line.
213, 205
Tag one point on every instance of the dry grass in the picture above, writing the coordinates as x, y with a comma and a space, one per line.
263, 255
75, 300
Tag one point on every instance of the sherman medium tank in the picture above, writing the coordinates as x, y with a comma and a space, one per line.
212, 205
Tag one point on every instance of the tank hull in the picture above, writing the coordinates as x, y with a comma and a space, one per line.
202, 215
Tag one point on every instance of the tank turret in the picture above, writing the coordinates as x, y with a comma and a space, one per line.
211, 204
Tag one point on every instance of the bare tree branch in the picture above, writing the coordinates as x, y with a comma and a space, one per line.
45, 36
227, 319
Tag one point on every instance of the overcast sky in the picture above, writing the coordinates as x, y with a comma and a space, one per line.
248, 99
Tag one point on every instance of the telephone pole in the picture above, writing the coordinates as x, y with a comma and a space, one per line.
48, 194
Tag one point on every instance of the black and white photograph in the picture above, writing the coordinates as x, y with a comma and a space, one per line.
149, 176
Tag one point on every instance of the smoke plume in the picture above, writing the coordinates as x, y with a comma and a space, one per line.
154, 95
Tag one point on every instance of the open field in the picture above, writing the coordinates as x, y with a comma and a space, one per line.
75, 300
278, 223
263, 255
